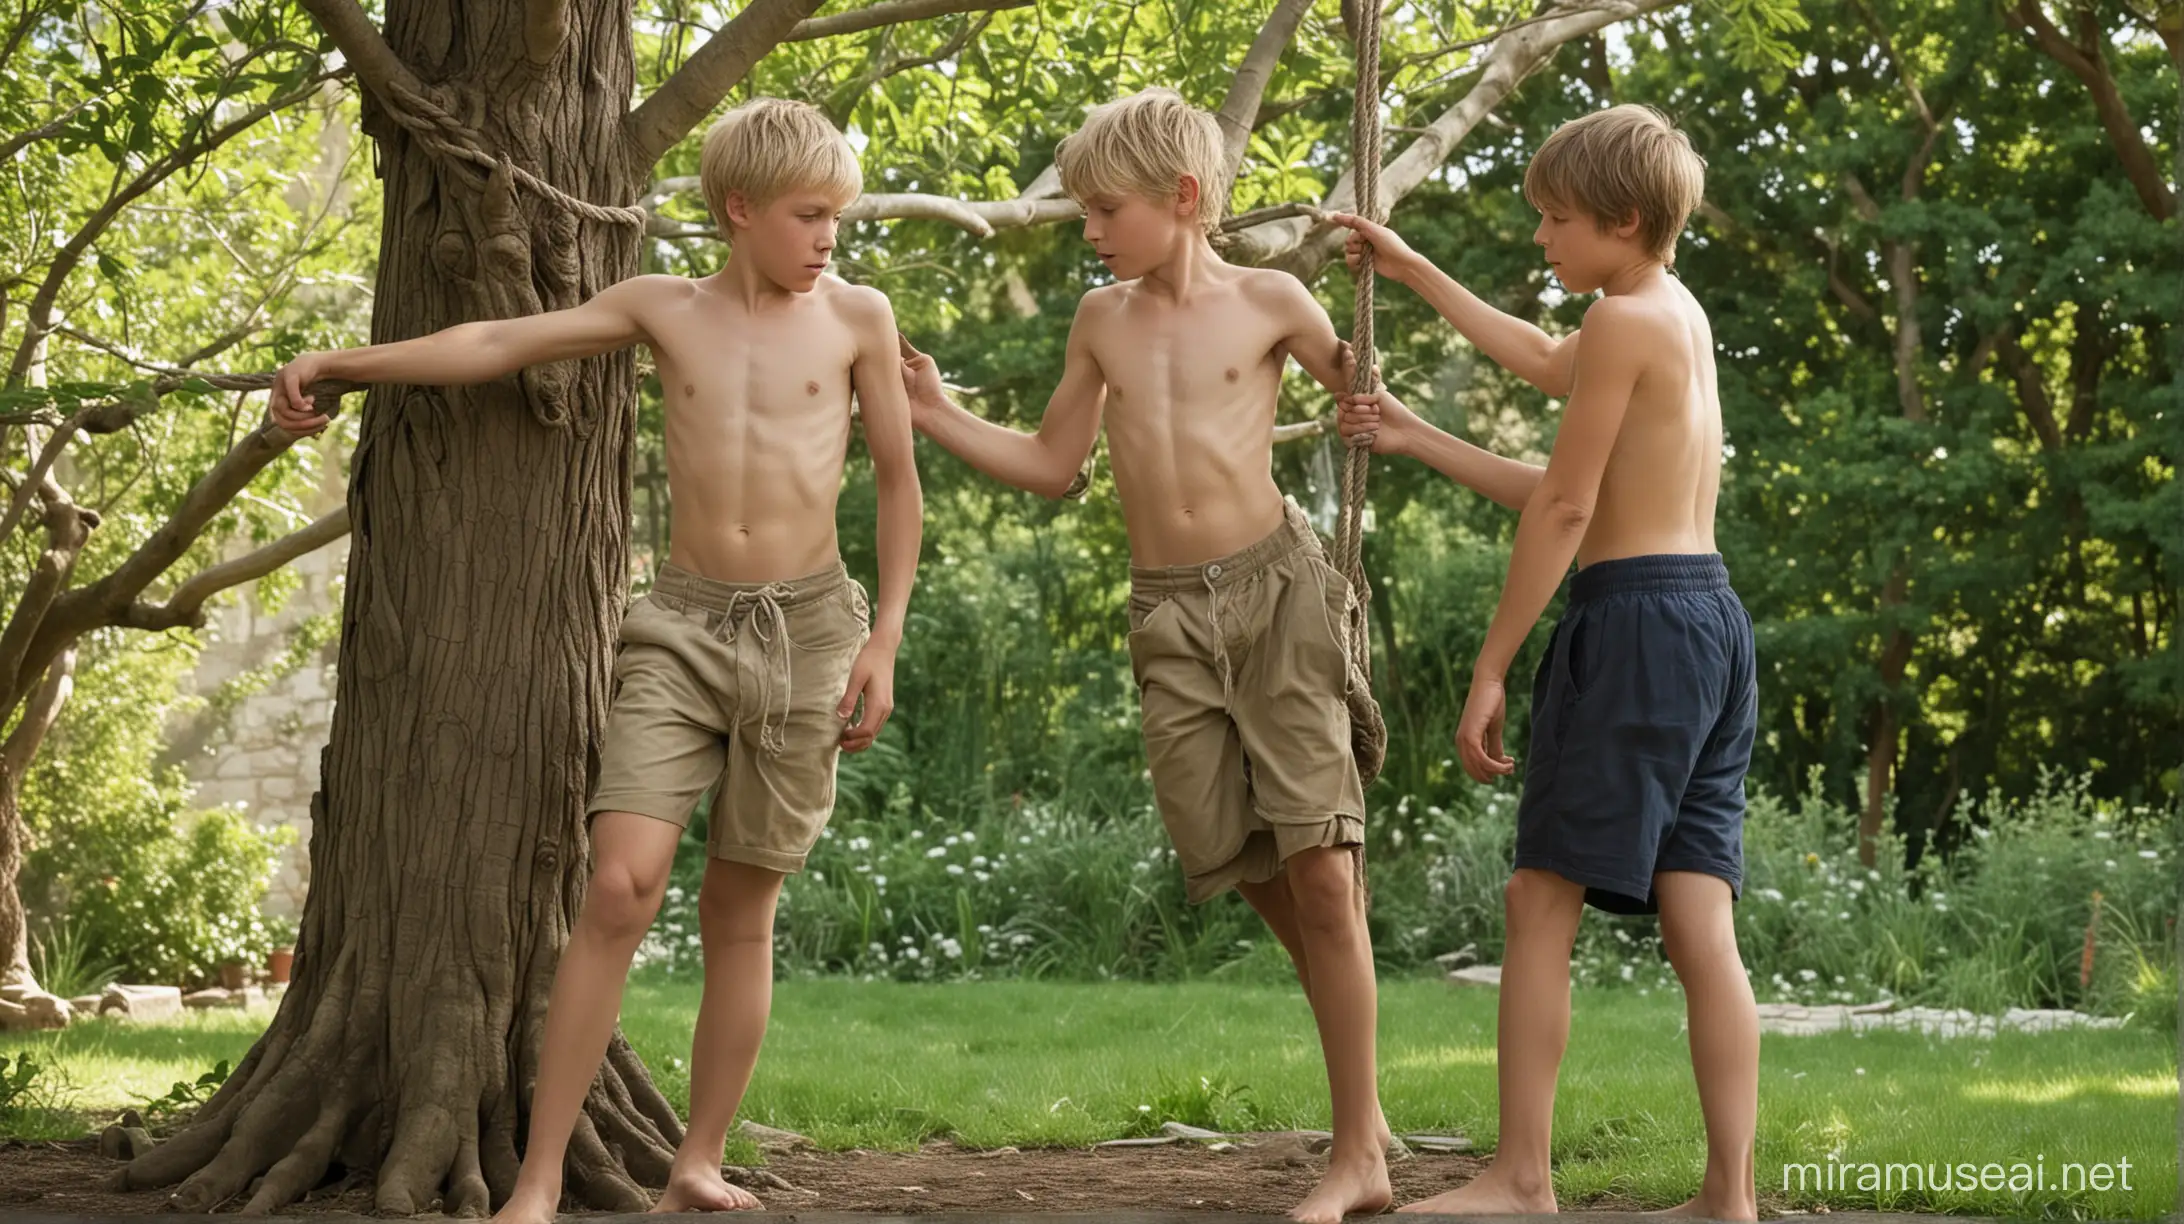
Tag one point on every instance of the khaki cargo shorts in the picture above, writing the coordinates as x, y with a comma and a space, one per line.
1240, 665
735, 683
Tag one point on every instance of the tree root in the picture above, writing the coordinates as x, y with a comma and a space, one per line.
314, 1097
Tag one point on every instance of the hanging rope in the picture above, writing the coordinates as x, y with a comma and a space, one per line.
1368, 730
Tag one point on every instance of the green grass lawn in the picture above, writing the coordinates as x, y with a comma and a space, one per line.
885, 1065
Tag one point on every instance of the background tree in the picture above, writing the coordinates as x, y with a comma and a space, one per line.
122, 462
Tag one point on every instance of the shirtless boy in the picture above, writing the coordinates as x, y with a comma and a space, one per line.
1236, 619
746, 662
1644, 708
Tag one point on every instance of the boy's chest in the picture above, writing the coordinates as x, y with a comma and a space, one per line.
758, 365
1188, 355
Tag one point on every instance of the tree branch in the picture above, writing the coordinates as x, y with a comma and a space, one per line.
980, 217
36, 321
1903, 274
1241, 107
1983, 352
67, 527
107, 601
186, 605
2032, 392
35, 482
362, 45
1303, 429
10, 146
890, 12
38, 719
2089, 353
2087, 64
1302, 246
1842, 290
843, 100
707, 76
1903, 277
1903, 67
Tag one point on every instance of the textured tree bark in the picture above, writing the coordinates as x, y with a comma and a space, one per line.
486, 580
19, 991
23, 1003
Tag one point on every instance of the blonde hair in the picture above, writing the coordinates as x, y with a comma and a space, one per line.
1623, 160
769, 147
1144, 144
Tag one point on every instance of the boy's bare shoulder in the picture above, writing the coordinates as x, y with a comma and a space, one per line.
653, 288
1270, 284
848, 298
1276, 288
1103, 303
1105, 297
1625, 325
861, 308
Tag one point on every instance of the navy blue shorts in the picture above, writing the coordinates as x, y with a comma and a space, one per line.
1643, 713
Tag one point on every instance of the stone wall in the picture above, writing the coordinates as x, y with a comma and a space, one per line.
263, 752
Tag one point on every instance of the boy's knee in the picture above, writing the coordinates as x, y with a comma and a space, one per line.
1533, 891
1698, 943
1698, 924
621, 901
1324, 882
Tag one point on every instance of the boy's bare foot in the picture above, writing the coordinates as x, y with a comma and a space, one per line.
1490, 1193
704, 1190
1705, 1207
528, 1206
1353, 1186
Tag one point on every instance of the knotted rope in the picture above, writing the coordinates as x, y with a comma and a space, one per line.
441, 133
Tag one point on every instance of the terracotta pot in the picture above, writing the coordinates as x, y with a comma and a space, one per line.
278, 963
233, 976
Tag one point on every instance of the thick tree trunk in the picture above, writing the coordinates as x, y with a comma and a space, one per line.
16, 979
23, 1003
1882, 722
486, 579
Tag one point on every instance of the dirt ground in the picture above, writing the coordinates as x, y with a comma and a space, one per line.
1269, 1175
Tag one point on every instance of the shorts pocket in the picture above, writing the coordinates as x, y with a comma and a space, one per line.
839, 620
1143, 610
652, 620
1147, 619
1336, 603
1580, 655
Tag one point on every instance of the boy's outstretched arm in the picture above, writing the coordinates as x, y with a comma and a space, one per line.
1396, 430
1515, 345
467, 352
885, 409
1044, 462
1554, 520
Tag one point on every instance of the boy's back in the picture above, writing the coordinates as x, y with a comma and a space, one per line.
1658, 490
